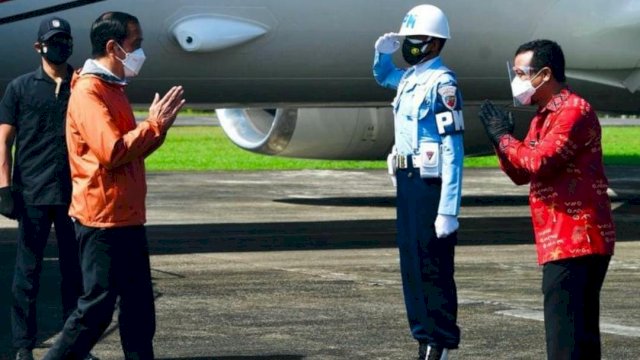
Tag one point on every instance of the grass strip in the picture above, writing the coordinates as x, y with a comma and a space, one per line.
208, 149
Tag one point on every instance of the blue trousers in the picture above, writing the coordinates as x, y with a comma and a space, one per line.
426, 262
115, 263
34, 226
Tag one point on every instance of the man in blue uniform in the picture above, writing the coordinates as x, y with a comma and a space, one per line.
426, 165
37, 194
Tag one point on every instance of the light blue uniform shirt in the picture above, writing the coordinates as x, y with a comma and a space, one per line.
428, 108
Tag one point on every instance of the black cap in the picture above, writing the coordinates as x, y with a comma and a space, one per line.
52, 26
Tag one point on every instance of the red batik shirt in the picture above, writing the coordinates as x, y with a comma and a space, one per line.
561, 157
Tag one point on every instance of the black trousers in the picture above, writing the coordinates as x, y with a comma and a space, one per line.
426, 262
115, 263
571, 289
34, 226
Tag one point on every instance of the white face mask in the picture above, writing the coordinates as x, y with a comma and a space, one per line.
523, 90
132, 62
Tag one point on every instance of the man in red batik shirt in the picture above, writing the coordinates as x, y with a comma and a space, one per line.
561, 158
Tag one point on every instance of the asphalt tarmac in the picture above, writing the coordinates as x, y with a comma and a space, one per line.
302, 265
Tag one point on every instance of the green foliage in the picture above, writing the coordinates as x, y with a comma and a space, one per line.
620, 146
207, 148
481, 161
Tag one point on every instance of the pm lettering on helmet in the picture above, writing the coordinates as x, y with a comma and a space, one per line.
409, 21
427, 20
449, 122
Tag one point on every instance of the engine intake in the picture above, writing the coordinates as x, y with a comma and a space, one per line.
314, 133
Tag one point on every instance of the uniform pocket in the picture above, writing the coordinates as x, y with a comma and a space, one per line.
421, 102
400, 104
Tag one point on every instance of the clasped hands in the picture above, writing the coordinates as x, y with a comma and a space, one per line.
165, 110
496, 121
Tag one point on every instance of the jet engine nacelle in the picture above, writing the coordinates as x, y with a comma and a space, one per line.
316, 133
338, 133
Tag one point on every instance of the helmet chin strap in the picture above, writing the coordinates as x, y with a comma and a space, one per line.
429, 54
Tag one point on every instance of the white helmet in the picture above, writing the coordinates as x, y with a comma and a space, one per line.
426, 20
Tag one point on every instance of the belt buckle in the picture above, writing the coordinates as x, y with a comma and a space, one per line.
401, 161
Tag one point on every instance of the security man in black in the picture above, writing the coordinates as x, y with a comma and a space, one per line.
38, 193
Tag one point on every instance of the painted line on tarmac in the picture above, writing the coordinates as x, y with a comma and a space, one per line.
609, 328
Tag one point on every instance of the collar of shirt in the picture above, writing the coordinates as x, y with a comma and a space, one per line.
94, 67
42, 75
419, 69
556, 101
417, 73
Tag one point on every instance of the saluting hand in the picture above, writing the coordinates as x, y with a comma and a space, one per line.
165, 110
387, 43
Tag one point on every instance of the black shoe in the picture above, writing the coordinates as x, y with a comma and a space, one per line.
422, 351
91, 357
428, 352
24, 354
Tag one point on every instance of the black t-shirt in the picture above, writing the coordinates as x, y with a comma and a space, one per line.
41, 165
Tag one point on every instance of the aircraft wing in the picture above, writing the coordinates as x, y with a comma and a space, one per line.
293, 77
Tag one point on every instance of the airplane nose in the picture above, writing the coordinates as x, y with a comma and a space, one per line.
207, 33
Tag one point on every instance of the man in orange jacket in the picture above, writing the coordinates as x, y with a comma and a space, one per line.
561, 158
106, 155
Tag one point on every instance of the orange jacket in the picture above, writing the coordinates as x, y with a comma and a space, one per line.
107, 151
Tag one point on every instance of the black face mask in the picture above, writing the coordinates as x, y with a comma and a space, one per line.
57, 52
414, 53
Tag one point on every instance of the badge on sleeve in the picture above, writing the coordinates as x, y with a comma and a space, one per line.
448, 94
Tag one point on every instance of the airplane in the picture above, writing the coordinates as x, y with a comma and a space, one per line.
293, 77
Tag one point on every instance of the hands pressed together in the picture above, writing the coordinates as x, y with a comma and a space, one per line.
496, 121
164, 111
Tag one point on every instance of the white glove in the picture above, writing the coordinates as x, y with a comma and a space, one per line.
391, 166
446, 225
387, 43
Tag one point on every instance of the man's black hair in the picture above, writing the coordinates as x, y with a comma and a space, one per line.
546, 53
109, 26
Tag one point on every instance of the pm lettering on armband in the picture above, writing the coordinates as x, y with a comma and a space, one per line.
450, 122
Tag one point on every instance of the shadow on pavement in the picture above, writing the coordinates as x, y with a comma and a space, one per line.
204, 238
266, 357
390, 201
